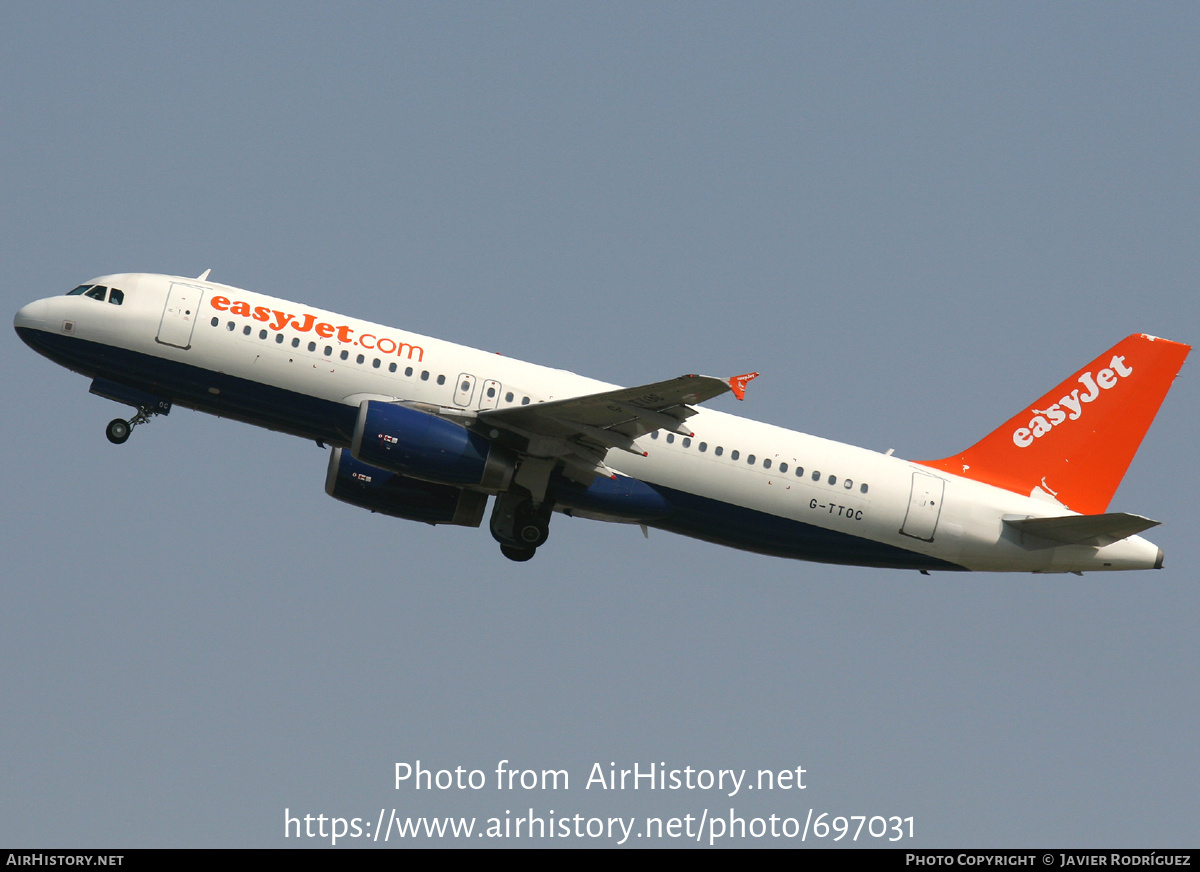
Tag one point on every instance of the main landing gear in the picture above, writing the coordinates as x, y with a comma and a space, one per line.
118, 430
517, 553
519, 524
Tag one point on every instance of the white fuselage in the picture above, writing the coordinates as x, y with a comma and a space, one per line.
729, 461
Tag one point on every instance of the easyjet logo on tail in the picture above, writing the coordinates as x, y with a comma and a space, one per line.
1070, 407
1082, 466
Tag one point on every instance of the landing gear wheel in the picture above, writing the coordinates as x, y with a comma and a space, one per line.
530, 527
533, 532
520, 523
516, 552
117, 431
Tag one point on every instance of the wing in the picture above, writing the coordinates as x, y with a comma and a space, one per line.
579, 431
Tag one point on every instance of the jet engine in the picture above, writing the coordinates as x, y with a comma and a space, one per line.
419, 445
390, 493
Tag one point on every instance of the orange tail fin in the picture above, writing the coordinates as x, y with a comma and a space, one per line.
1076, 442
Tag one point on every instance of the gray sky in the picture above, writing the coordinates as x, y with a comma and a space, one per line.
912, 219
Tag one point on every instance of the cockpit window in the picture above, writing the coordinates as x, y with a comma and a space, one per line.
99, 292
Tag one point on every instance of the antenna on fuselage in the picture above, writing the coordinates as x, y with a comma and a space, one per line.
203, 276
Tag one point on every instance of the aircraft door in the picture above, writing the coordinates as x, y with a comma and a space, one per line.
465, 389
179, 315
490, 397
924, 506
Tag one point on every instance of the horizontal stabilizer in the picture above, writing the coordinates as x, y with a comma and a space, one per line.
1084, 529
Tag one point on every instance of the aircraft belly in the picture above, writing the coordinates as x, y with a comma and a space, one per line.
702, 517
195, 387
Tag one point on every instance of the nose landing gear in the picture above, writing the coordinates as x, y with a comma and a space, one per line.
118, 430
147, 405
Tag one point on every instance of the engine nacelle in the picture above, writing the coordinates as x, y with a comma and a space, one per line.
390, 493
420, 445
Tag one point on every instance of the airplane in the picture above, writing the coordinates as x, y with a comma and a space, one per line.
426, 430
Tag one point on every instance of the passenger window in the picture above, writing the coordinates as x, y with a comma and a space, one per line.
359, 359
750, 459
491, 392
116, 297
246, 330
508, 398
719, 450
328, 350
863, 489
425, 375
295, 342
767, 463
524, 401
441, 379
849, 484
734, 454
833, 479
408, 371
215, 321
262, 334
391, 367
229, 325
703, 447
279, 339
687, 443
799, 472
816, 476
654, 435
375, 363
670, 438
312, 346
783, 467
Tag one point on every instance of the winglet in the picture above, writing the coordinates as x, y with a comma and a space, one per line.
738, 384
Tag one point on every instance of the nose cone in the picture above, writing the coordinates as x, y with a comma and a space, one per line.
32, 323
34, 315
